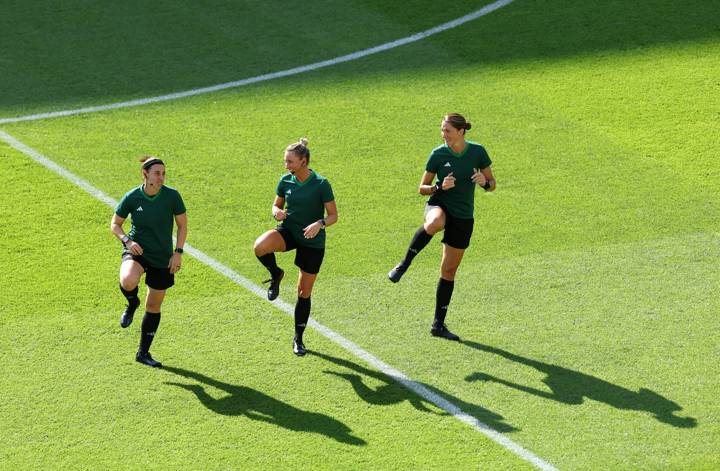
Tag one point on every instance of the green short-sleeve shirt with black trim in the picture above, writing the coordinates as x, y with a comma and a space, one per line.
305, 204
152, 221
460, 200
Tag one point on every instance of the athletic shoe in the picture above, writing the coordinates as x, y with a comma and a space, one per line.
397, 272
443, 332
298, 347
274, 288
127, 315
147, 359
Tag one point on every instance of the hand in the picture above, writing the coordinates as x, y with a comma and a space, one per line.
280, 214
478, 178
312, 230
448, 182
134, 248
175, 262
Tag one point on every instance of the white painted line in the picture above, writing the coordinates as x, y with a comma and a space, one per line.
351, 347
262, 78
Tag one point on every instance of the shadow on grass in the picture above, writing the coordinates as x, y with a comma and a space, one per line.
572, 387
139, 49
392, 392
242, 400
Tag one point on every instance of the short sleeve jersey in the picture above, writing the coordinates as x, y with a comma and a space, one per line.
460, 200
152, 221
305, 204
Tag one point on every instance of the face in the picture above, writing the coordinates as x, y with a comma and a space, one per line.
293, 162
450, 134
155, 176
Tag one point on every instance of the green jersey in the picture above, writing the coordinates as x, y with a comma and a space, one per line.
305, 204
152, 221
460, 200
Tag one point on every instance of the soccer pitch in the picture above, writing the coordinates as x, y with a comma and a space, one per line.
587, 301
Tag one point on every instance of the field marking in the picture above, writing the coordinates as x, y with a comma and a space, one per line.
261, 78
348, 345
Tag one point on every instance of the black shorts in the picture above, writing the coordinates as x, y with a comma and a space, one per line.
458, 231
156, 278
308, 259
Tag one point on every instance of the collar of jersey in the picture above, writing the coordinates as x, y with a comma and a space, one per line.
148, 197
294, 179
455, 154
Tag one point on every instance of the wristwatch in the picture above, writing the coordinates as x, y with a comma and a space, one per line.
322, 223
125, 239
179, 250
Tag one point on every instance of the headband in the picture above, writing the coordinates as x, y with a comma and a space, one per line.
150, 162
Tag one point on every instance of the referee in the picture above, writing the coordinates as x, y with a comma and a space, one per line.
459, 166
308, 196
147, 248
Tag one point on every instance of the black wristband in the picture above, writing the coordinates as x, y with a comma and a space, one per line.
486, 186
179, 250
438, 188
323, 224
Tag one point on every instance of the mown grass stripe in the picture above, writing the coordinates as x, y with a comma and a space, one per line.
262, 78
348, 345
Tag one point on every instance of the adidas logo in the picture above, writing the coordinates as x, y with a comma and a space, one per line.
288, 192
447, 164
139, 209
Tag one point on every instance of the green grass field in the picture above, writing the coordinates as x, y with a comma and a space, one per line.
587, 302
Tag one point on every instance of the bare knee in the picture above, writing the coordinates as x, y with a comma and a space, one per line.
259, 247
448, 273
128, 283
434, 225
304, 291
152, 307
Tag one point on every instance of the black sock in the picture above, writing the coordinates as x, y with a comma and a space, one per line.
150, 324
442, 300
131, 296
418, 242
268, 260
302, 314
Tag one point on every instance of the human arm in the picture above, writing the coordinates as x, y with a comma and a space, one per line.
176, 259
278, 212
427, 188
332, 216
484, 178
116, 227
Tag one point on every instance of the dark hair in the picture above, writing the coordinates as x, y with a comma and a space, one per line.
148, 161
300, 149
457, 121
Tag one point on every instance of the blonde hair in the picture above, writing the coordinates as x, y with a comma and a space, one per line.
300, 149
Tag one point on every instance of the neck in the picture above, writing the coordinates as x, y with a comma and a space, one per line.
458, 146
150, 190
302, 174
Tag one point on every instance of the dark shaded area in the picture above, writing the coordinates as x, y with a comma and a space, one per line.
572, 387
255, 405
391, 392
73, 54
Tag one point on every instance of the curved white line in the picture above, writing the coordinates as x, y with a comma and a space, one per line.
419, 389
261, 78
